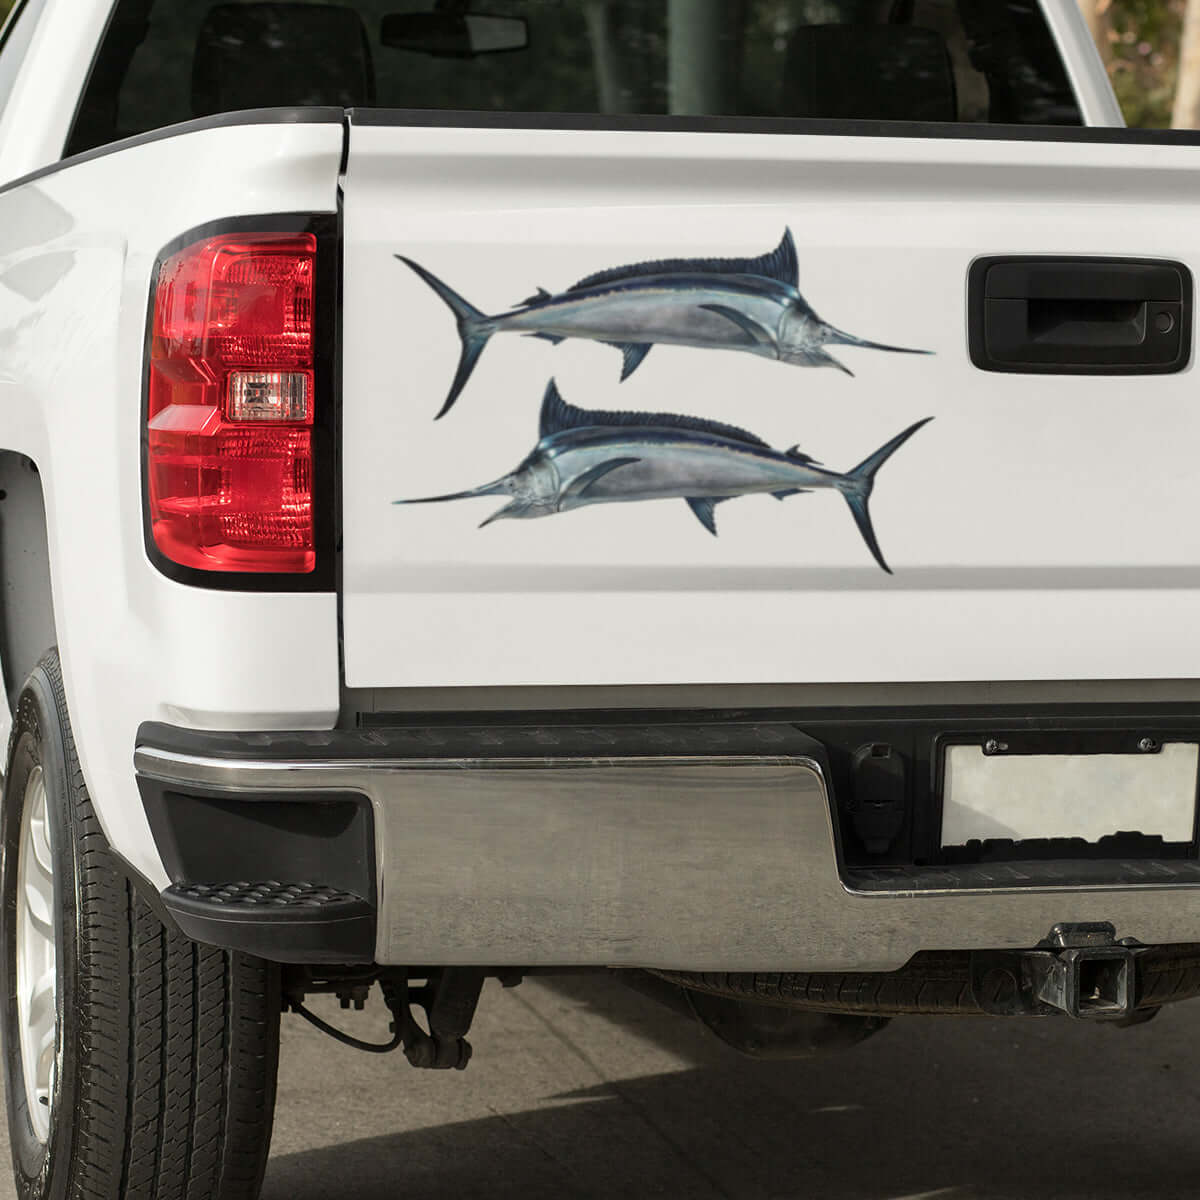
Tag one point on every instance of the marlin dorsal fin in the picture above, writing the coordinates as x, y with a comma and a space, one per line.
540, 297
780, 264
798, 455
558, 416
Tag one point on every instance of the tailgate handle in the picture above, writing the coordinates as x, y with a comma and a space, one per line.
1080, 316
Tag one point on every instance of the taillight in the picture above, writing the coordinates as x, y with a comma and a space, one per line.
230, 405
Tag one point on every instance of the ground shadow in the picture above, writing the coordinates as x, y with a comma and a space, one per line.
949, 1108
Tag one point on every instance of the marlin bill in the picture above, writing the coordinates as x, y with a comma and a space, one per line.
748, 304
593, 457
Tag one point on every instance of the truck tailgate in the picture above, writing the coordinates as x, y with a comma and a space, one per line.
1039, 527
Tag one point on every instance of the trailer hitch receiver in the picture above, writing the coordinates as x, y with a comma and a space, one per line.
1088, 984
1080, 970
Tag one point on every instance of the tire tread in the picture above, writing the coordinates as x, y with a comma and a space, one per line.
932, 983
178, 1042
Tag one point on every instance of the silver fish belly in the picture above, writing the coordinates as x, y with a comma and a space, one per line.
659, 469
691, 316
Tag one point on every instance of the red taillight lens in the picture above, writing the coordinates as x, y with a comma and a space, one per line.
230, 411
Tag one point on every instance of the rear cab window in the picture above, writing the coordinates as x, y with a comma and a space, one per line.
977, 61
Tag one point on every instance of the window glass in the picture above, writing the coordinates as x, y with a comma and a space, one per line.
926, 60
14, 41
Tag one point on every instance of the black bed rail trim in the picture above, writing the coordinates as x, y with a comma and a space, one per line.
520, 739
430, 118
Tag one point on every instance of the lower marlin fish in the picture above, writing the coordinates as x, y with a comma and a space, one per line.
593, 457
748, 304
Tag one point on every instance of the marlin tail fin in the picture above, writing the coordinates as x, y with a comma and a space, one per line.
837, 337
856, 486
474, 328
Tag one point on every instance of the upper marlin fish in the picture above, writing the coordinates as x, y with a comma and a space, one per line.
750, 304
591, 457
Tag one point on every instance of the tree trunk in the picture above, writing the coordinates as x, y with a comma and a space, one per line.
1098, 14
1187, 96
697, 66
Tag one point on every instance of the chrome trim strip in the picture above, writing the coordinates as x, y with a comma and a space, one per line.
170, 766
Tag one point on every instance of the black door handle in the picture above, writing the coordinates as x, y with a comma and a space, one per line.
1080, 316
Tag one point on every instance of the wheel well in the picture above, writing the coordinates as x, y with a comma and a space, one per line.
26, 606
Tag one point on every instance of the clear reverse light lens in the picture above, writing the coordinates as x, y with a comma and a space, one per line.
269, 395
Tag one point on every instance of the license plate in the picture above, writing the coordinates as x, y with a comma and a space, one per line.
1089, 796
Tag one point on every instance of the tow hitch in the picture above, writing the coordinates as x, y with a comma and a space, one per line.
1082, 971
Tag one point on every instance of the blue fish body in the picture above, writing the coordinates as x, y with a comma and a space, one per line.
594, 457
752, 305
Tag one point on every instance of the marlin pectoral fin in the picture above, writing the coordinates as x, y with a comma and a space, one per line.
517, 508
579, 487
705, 509
552, 338
753, 331
816, 358
634, 354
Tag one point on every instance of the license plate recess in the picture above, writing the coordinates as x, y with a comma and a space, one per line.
1063, 794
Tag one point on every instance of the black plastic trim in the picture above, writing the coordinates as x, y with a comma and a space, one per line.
347, 937
250, 116
327, 321
211, 838
803, 126
1124, 361
520, 737
1058, 873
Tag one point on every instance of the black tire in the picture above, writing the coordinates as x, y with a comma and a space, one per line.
932, 983
166, 1050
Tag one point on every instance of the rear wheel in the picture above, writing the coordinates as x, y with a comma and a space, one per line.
137, 1064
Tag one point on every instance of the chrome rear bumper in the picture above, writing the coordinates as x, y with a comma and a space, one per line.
716, 861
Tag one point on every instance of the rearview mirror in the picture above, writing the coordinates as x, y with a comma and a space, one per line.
454, 34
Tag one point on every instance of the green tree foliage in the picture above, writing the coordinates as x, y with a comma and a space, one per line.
1140, 43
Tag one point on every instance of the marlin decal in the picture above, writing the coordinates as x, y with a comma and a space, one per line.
750, 304
592, 457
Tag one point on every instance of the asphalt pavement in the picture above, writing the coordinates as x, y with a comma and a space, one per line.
582, 1088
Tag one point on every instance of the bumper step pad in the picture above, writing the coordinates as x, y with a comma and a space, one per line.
286, 921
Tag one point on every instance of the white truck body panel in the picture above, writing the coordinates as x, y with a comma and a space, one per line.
61, 51
75, 275
1033, 527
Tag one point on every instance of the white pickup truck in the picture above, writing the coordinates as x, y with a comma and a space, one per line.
917, 732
